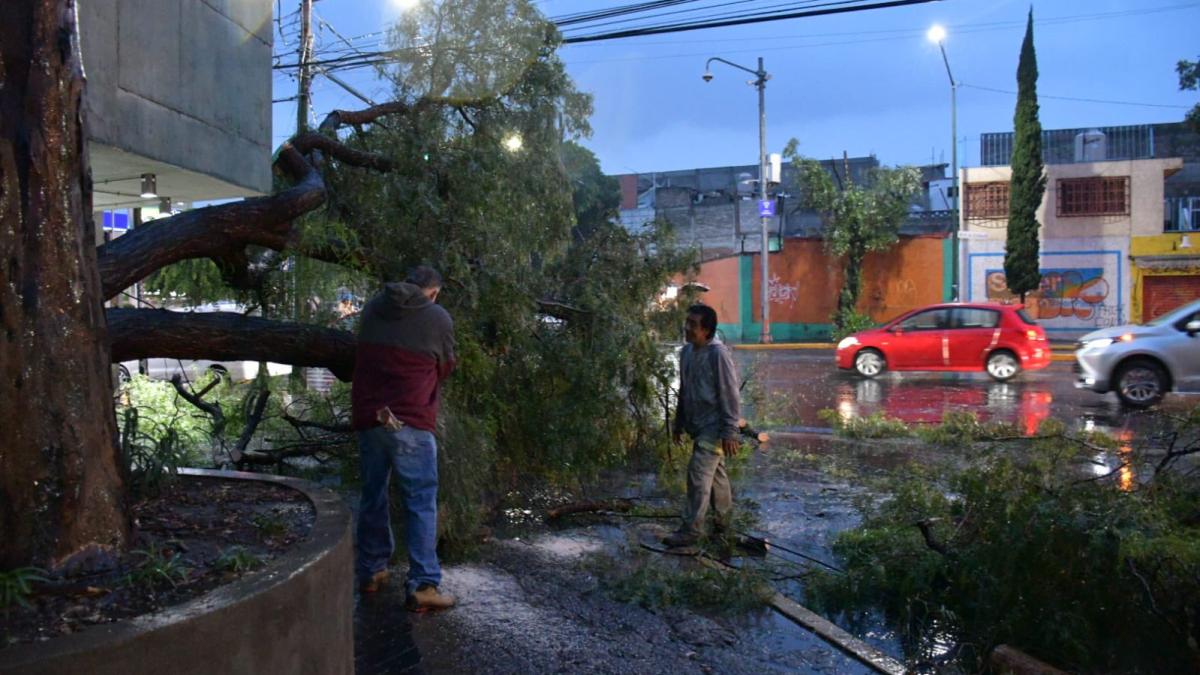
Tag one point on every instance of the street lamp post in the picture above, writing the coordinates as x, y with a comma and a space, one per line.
938, 34
760, 82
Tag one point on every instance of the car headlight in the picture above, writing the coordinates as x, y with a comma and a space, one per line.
847, 342
1097, 344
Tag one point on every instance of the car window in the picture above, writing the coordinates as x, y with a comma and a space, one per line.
1181, 325
928, 320
969, 317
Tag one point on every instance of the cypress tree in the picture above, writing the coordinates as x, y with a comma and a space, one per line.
1028, 177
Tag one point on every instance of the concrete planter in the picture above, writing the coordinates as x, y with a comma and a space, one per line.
293, 616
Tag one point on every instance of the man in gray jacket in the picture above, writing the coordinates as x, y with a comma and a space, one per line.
708, 411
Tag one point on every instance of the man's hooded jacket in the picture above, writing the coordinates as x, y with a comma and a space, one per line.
405, 349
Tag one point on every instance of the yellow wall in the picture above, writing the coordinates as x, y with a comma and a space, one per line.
1164, 245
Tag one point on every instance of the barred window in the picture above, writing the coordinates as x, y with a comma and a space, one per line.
986, 200
1095, 196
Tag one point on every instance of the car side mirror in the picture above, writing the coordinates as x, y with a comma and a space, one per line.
1192, 327
896, 330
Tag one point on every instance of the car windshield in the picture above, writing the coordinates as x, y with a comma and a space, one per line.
1025, 317
1174, 314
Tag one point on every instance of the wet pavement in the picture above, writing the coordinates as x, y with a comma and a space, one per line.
799, 383
532, 601
383, 642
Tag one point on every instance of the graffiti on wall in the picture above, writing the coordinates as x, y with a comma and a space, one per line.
780, 293
1080, 294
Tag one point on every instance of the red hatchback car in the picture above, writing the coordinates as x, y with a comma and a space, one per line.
999, 339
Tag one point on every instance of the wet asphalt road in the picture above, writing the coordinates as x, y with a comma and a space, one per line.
799, 383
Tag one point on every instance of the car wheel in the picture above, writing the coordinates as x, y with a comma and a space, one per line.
1140, 384
869, 363
1003, 366
123, 376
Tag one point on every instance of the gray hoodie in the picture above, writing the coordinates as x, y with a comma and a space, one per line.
709, 402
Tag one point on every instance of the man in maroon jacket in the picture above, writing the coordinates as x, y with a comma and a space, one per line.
405, 350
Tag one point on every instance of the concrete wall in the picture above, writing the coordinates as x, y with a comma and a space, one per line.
1087, 279
183, 82
1170, 255
1145, 191
295, 615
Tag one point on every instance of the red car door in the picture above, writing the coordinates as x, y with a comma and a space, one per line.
917, 342
972, 333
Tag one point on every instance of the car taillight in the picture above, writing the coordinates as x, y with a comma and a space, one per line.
1032, 334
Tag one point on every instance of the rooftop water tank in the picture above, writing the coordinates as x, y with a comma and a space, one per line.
1091, 146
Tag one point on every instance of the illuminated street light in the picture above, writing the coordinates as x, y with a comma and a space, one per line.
938, 34
760, 82
513, 143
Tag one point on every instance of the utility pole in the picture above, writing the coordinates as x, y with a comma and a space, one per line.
766, 210
302, 104
306, 45
763, 179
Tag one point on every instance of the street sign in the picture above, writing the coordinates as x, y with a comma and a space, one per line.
115, 220
972, 234
766, 208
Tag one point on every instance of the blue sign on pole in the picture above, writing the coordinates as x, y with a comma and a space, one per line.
116, 220
766, 208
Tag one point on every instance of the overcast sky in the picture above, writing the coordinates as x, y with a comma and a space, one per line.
866, 83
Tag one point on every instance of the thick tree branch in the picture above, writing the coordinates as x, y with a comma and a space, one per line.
260, 405
225, 336
308, 142
206, 233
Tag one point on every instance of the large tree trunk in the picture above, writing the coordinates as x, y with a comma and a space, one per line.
61, 493
227, 336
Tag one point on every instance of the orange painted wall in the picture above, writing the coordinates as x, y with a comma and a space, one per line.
721, 277
805, 281
907, 277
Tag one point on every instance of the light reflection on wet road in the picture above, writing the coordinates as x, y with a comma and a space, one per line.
800, 383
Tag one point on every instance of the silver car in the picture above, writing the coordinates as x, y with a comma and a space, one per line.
1142, 363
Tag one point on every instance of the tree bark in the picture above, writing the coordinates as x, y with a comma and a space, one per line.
208, 233
227, 336
62, 498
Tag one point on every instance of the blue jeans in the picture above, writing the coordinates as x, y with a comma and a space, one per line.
412, 453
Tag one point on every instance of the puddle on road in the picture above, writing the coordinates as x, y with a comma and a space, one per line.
794, 386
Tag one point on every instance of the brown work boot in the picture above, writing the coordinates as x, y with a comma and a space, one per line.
375, 582
427, 597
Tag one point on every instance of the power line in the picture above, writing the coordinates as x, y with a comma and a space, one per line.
825, 10
1079, 100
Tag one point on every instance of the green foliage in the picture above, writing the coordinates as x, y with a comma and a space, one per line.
1028, 177
1090, 574
651, 582
237, 560
858, 219
1189, 80
850, 323
16, 585
560, 370
158, 566
875, 425
964, 428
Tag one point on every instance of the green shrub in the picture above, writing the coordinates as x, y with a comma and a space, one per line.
849, 323
875, 425
1087, 573
653, 582
16, 585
